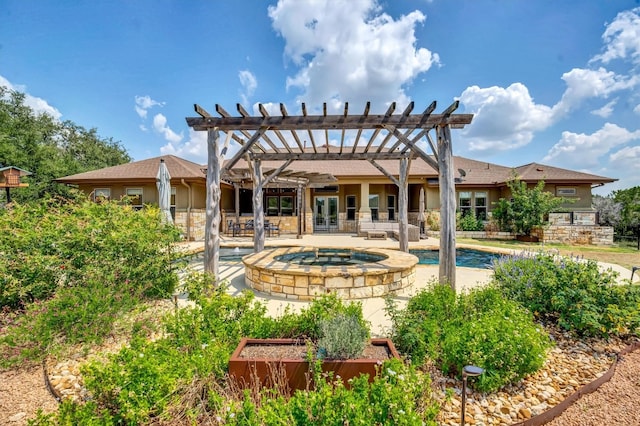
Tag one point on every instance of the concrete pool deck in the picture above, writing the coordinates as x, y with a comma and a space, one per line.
232, 272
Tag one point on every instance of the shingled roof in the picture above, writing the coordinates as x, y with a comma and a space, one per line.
477, 173
142, 171
534, 172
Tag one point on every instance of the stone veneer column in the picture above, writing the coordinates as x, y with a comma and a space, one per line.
308, 211
364, 214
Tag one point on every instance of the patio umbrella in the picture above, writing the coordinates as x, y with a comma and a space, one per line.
421, 216
163, 183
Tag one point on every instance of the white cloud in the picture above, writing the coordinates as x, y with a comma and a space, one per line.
582, 150
349, 50
637, 109
38, 105
504, 118
160, 126
249, 85
626, 158
585, 83
194, 149
144, 103
606, 110
622, 38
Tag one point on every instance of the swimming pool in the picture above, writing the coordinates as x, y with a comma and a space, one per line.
469, 258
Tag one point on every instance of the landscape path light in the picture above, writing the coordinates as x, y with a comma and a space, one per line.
468, 371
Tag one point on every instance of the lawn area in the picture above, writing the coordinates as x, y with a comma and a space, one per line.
623, 256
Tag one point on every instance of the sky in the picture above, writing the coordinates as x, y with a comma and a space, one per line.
552, 82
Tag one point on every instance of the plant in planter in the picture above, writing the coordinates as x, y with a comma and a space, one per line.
343, 350
343, 337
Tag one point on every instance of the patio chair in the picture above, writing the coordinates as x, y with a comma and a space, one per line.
273, 228
233, 228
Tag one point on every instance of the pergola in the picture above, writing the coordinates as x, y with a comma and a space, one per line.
284, 138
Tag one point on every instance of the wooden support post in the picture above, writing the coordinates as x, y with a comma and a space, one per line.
447, 272
403, 228
236, 190
212, 229
258, 213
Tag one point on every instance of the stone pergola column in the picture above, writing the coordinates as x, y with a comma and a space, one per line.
308, 212
364, 213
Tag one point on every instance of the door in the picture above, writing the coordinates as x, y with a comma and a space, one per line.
325, 214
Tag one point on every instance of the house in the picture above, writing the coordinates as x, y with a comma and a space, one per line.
333, 195
137, 181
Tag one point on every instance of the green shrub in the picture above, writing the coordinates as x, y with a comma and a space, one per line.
306, 323
74, 268
72, 414
575, 294
481, 328
342, 337
401, 395
59, 243
469, 222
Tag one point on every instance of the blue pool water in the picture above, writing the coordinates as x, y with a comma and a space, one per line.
464, 257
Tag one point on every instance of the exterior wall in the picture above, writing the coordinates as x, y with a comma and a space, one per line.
580, 201
576, 234
196, 219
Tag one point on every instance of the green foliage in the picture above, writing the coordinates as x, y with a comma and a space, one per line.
526, 209
343, 337
147, 379
399, 396
469, 222
481, 328
72, 414
48, 148
575, 294
74, 267
433, 222
609, 211
306, 323
629, 200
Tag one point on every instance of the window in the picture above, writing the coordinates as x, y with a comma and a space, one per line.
286, 205
481, 205
374, 203
272, 206
101, 194
280, 202
351, 207
566, 192
135, 197
464, 202
391, 207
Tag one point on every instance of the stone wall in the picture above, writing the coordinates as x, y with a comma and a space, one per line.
197, 223
576, 234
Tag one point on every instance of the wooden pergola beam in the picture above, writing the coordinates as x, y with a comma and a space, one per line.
329, 122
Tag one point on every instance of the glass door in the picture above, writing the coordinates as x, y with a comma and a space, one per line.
325, 214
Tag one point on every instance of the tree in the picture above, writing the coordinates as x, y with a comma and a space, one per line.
609, 211
48, 148
629, 199
527, 208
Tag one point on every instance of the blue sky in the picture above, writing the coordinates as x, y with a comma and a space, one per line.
554, 82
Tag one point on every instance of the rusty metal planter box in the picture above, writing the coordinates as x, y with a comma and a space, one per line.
247, 371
